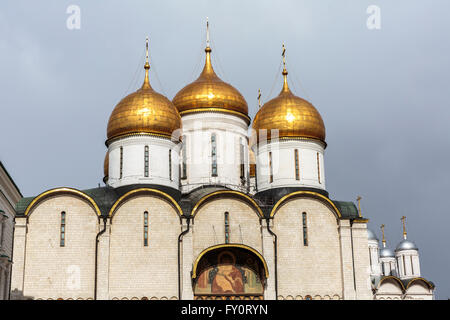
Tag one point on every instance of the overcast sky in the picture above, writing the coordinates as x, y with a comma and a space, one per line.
383, 94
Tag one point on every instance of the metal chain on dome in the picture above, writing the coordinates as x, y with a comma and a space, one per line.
302, 89
161, 87
215, 56
199, 59
275, 81
135, 76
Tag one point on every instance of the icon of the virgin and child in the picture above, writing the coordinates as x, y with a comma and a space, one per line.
226, 277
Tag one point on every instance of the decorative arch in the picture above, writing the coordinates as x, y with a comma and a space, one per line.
229, 272
229, 245
305, 193
241, 195
65, 190
414, 280
131, 193
397, 280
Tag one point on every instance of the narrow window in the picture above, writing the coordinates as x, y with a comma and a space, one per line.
241, 159
297, 169
2, 231
412, 265
63, 229
270, 167
184, 153
404, 266
227, 227
305, 229
170, 164
146, 162
145, 229
121, 162
213, 155
318, 167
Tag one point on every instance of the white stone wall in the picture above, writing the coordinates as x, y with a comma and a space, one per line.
9, 196
408, 264
283, 164
134, 163
230, 130
374, 255
389, 289
314, 269
136, 271
361, 261
209, 225
51, 271
389, 266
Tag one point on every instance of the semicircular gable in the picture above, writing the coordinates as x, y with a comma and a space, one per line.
52, 192
391, 279
306, 194
419, 280
229, 194
141, 191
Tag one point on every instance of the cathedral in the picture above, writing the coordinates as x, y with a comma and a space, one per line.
203, 203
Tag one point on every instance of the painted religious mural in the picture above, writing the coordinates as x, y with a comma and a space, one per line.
229, 272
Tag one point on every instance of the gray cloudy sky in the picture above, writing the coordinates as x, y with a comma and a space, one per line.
383, 94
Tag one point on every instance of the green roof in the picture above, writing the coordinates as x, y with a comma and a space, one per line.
347, 209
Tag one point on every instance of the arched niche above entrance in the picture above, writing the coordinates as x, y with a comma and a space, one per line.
229, 271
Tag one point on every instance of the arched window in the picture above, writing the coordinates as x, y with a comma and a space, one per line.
146, 161
241, 160
297, 168
227, 227
145, 229
184, 159
63, 230
318, 167
305, 229
121, 162
213, 155
170, 164
270, 168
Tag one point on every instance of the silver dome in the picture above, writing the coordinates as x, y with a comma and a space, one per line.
387, 253
371, 235
406, 245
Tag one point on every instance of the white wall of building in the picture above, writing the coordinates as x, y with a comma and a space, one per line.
230, 131
9, 196
375, 263
133, 167
408, 264
52, 271
135, 270
311, 170
315, 268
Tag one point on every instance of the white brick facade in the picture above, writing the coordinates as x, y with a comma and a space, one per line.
326, 268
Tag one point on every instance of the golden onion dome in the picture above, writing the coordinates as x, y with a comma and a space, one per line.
106, 167
210, 93
144, 111
294, 117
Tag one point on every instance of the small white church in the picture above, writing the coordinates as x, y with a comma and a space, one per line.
195, 207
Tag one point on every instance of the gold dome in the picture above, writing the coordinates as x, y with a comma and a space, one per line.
144, 111
209, 92
294, 117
